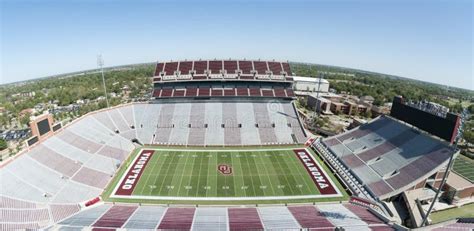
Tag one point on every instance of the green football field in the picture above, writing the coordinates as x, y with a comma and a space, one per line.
464, 167
221, 174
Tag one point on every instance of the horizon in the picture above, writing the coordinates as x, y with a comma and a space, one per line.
154, 63
417, 40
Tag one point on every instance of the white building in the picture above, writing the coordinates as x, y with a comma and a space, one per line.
306, 85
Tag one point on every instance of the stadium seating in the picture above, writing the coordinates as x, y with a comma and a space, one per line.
170, 68
254, 91
164, 124
210, 219
286, 68
48, 181
177, 219
157, 93
145, 217
321, 217
277, 218
275, 68
127, 113
246, 67
265, 129
290, 93
118, 120
279, 92
388, 156
55, 161
146, 121
229, 92
19, 214
180, 120
215, 67
217, 92
159, 68
242, 91
167, 92
219, 69
244, 219
260, 67
115, 217
230, 66
310, 217
191, 92
86, 217
203, 91
200, 67
232, 131
185, 67
92, 177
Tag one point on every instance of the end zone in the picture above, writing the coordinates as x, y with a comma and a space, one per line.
132, 176
318, 175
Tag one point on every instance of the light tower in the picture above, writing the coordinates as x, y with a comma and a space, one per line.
459, 135
100, 64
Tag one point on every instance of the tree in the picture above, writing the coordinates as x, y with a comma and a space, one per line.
25, 119
471, 108
3, 144
355, 111
468, 136
368, 114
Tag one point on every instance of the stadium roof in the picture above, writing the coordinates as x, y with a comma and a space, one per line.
309, 79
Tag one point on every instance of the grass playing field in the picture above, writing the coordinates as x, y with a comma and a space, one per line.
259, 174
464, 167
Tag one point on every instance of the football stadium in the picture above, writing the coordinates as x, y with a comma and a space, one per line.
221, 146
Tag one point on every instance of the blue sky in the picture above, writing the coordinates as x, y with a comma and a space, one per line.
426, 40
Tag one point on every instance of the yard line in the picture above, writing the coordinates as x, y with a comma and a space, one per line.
251, 178
155, 162
267, 174
188, 171
234, 160
239, 161
182, 175
172, 156
304, 174
281, 169
285, 163
198, 176
190, 179
217, 177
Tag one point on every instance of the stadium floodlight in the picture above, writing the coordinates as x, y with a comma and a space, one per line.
100, 64
318, 102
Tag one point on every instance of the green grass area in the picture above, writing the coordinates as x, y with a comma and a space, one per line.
263, 171
464, 103
464, 167
465, 211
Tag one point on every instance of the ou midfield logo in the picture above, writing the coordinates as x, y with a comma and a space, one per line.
224, 169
